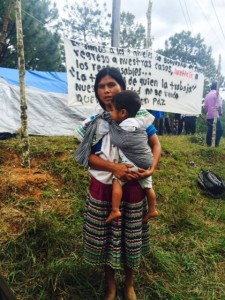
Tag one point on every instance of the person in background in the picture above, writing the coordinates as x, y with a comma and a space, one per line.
112, 245
189, 123
177, 124
161, 122
210, 106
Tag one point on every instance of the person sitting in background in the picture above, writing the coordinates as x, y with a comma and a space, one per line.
210, 107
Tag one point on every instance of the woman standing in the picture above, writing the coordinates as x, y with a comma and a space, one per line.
122, 242
210, 107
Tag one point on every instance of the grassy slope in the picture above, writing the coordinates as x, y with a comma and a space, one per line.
42, 259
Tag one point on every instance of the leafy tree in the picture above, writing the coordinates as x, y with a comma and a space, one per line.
132, 34
41, 40
5, 24
86, 22
192, 51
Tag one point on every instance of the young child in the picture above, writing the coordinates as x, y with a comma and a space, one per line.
125, 105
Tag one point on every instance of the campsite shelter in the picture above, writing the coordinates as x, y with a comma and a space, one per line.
48, 111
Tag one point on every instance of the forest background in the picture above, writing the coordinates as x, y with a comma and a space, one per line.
90, 21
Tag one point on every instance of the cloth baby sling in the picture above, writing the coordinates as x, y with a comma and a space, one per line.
134, 144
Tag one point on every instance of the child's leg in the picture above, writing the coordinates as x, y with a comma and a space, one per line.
152, 212
117, 193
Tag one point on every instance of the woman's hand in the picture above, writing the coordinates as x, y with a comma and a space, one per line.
124, 173
144, 173
139, 174
121, 171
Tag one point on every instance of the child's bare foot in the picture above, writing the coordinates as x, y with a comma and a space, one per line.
149, 215
113, 215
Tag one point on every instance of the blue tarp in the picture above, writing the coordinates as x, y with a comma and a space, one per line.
55, 82
47, 104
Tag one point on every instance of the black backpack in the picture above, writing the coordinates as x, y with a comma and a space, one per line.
212, 183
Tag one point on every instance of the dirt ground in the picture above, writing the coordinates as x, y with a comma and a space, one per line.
21, 193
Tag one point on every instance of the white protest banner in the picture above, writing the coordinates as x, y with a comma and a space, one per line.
162, 83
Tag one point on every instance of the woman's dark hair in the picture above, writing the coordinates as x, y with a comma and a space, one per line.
128, 100
112, 72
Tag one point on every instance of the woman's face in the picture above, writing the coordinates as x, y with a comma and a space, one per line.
106, 89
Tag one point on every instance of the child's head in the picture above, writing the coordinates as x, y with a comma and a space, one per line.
125, 105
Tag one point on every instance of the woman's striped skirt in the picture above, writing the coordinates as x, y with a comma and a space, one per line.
123, 241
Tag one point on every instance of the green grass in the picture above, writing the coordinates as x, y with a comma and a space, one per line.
43, 258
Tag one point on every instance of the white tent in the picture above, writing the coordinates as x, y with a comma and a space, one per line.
48, 110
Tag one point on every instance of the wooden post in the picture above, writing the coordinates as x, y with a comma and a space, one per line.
149, 20
115, 41
217, 102
23, 104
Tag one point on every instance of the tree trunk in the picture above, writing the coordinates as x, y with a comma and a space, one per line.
5, 26
23, 105
216, 106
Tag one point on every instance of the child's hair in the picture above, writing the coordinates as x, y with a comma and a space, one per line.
128, 100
